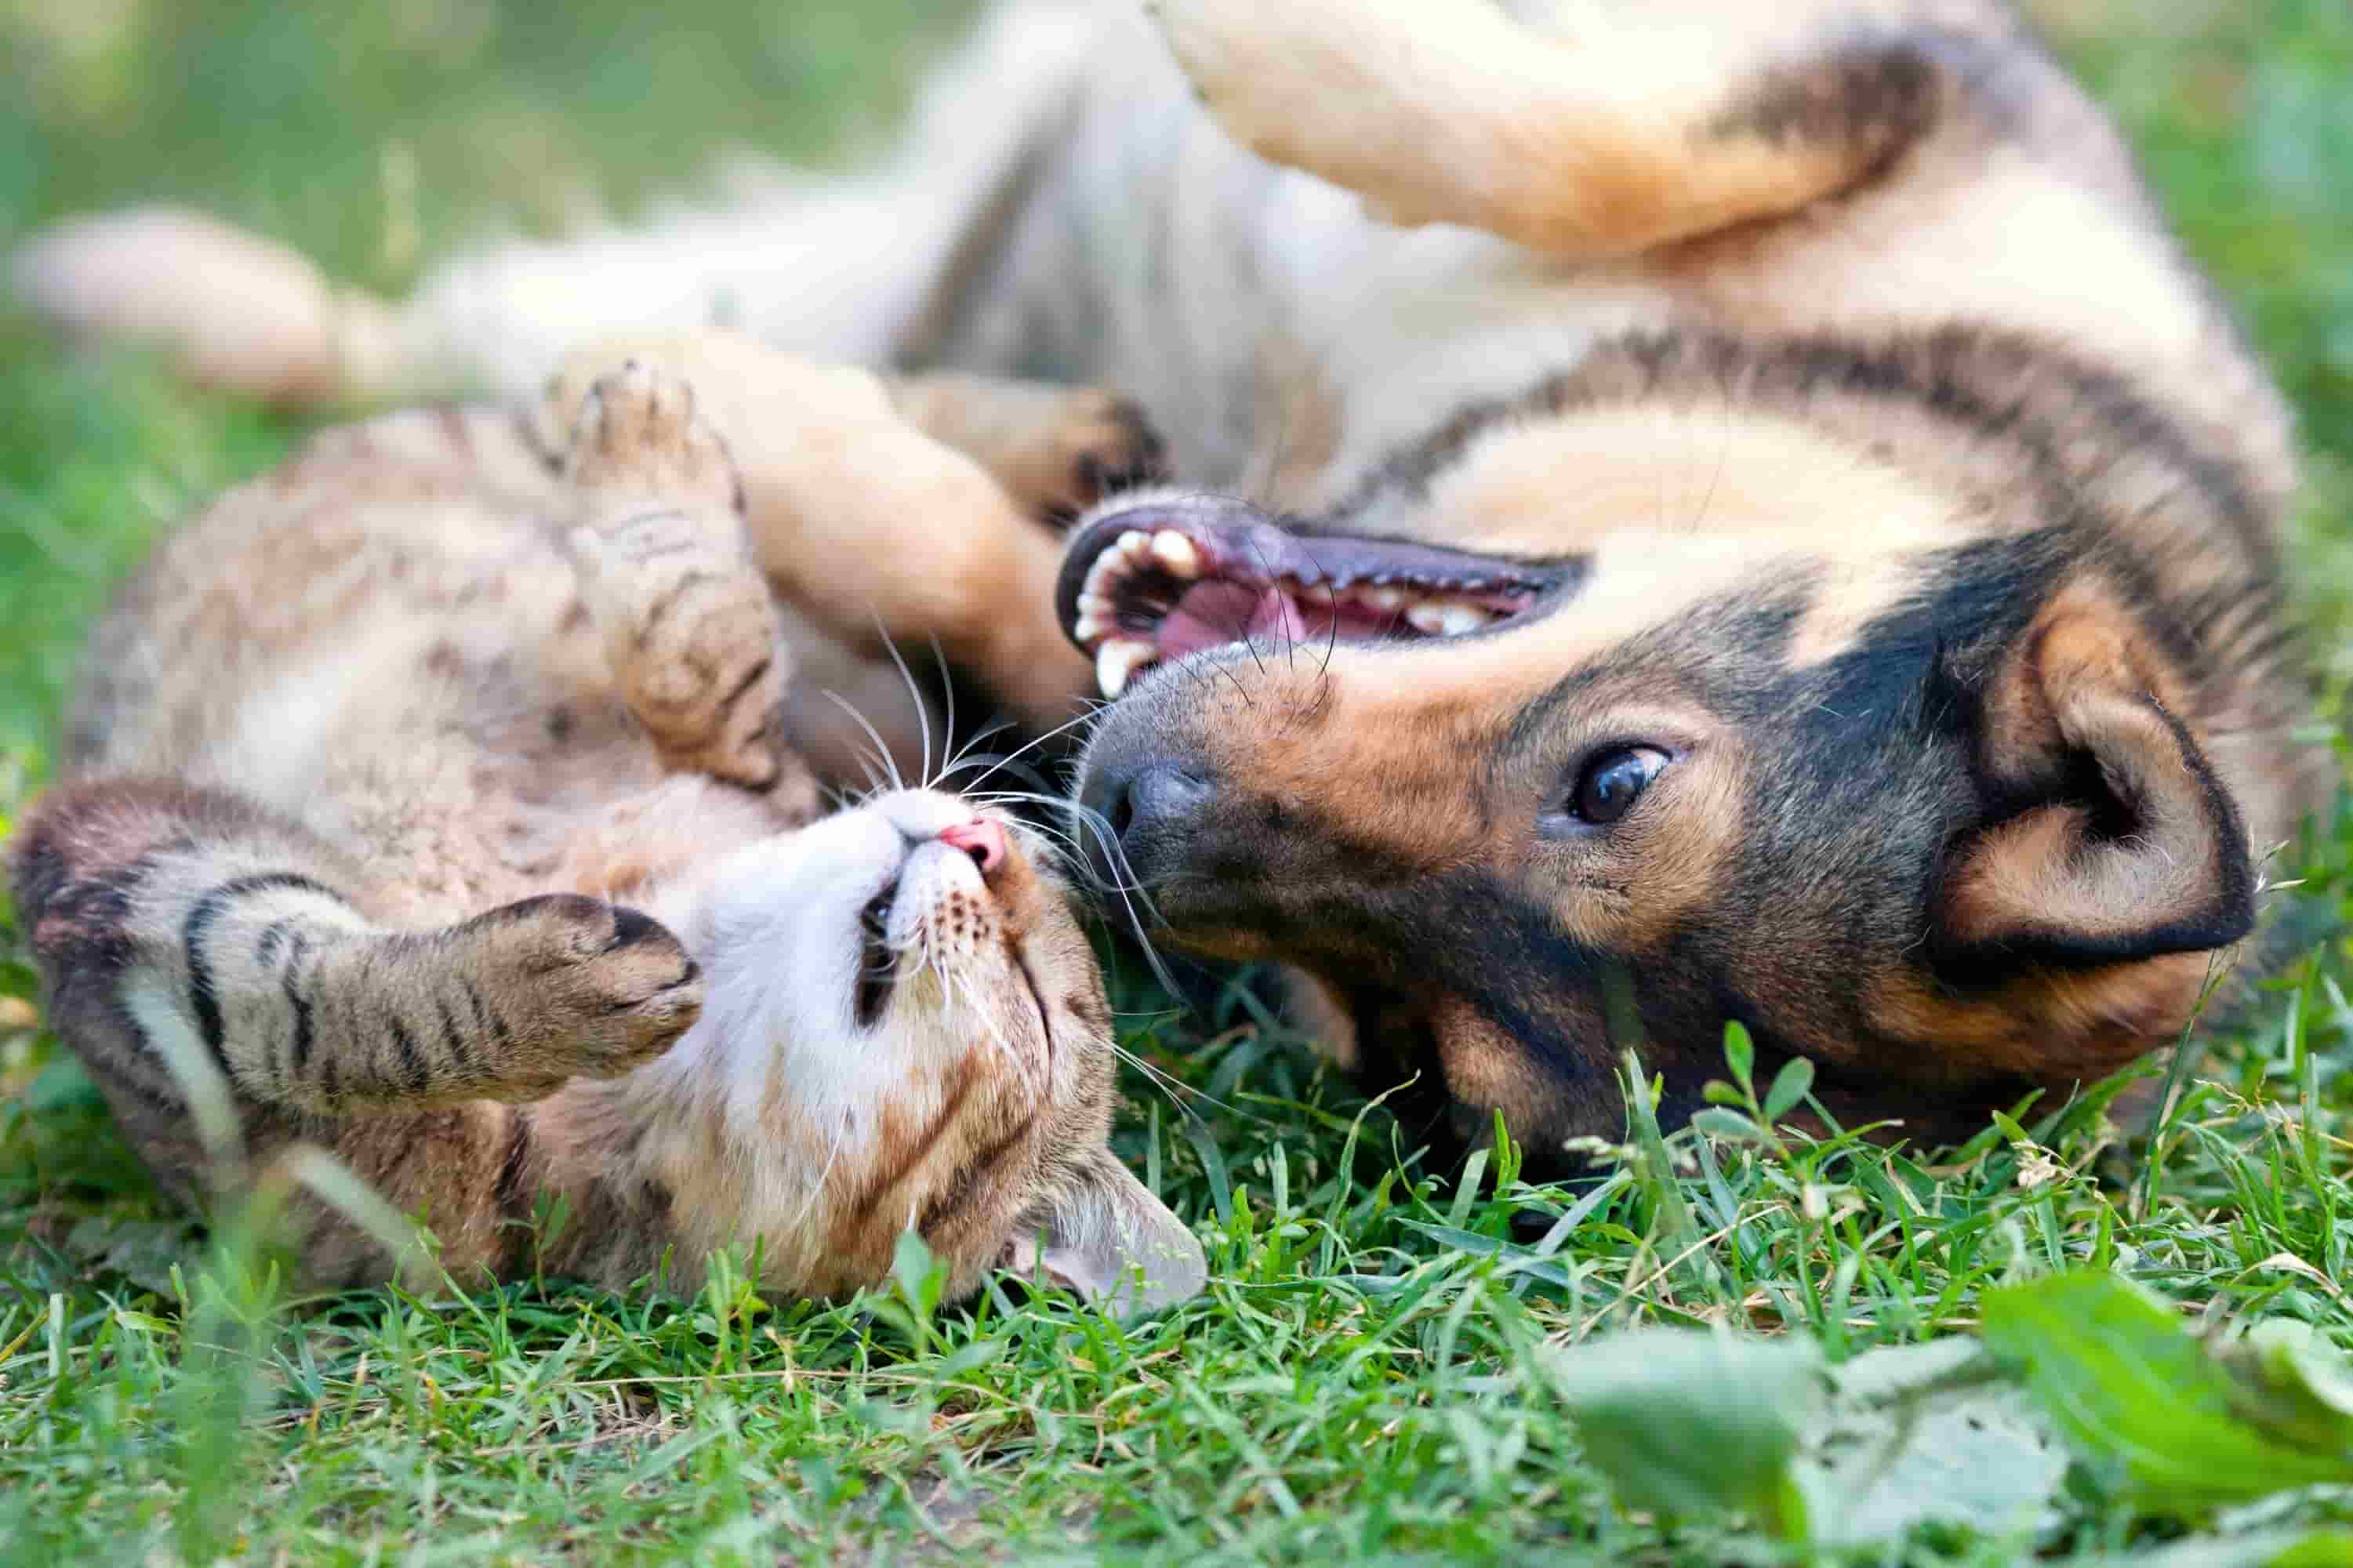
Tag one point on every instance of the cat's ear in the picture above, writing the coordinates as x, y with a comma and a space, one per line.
1111, 1241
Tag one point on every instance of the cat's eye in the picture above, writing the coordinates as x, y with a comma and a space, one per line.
1612, 781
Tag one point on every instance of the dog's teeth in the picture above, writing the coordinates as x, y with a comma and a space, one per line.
1091, 626
1456, 619
1120, 659
1103, 576
1097, 604
1135, 544
1426, 617
1388, 601
1176, 552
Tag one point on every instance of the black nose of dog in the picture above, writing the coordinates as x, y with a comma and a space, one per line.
1151, 810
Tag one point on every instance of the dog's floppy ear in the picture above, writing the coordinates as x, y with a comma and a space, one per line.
2113, 839
1111, 1241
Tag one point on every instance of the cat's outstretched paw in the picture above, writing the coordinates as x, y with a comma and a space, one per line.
567, 986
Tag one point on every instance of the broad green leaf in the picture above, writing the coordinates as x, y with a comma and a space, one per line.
2128, 1384
1695, 1424
919, 1278
1929, 1434
2288, 1382
2257, 1549
142, 1251
1718, 1121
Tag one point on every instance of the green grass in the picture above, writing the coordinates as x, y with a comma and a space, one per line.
1366, 1378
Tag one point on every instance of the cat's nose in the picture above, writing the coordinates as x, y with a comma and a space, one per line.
983, 840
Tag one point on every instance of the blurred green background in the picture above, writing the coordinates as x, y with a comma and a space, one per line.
374, 136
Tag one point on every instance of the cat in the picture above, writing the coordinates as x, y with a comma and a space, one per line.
428, 803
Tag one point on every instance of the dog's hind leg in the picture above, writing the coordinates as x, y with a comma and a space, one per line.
1583, 131
854, 267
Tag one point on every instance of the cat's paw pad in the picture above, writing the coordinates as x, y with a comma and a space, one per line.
581, 988
638, 435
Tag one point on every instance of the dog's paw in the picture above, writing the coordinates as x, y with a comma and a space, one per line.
1104, 445
230, 310
638, 437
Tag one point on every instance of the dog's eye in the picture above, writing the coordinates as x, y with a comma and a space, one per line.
1612, 781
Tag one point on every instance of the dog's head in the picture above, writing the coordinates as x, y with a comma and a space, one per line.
1599, 722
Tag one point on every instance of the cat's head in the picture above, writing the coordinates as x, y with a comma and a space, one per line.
906, 1027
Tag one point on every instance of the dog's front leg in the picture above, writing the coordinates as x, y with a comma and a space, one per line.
1056, 449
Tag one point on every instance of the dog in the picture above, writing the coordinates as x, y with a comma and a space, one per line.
1693, 513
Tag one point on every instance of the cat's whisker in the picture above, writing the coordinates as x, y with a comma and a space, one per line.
970, 756
1124, 879
914, 695
825, 1172
883, 750
1089, 717
947, 685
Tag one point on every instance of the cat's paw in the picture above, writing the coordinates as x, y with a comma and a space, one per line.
639, 437
576, 987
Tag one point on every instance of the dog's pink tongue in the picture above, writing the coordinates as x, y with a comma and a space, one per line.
1212, 614
1276, 618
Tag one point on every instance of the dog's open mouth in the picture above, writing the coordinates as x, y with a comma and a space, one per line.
1153, 583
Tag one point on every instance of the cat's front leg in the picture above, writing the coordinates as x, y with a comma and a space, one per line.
873, 527
691, 631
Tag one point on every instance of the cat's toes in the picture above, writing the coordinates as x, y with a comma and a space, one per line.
638, 433
585, 989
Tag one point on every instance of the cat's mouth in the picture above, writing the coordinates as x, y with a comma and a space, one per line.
1154, 582
931, 915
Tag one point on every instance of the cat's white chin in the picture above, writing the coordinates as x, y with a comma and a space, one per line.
840, 957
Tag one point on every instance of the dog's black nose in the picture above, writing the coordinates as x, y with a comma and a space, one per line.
1151, 810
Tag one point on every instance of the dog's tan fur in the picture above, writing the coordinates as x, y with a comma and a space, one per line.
1830, 352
